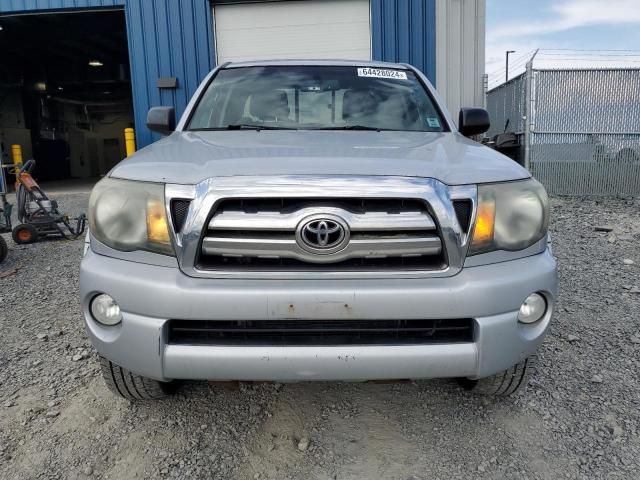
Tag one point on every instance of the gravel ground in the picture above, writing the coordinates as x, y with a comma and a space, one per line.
580, 417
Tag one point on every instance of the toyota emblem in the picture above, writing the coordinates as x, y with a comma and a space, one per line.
322, 234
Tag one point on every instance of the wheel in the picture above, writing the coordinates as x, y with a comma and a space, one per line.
24, 233
131, 386
512, 380
4, 250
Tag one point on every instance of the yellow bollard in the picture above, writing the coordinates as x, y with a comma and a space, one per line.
130, 141
16, 153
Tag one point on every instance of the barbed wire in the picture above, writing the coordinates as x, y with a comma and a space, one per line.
589, 50
518, 59
597, 57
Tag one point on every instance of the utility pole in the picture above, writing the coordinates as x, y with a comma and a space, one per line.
508, 52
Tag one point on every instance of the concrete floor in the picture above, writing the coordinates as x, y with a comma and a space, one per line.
72, 185
68, 186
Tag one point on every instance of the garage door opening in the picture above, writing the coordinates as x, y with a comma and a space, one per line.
65, 91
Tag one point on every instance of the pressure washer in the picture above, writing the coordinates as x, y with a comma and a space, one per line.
39, 215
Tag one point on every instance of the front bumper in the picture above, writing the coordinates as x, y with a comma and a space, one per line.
150, 295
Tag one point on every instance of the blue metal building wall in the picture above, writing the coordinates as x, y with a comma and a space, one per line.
12, 6
167, 38
405, 31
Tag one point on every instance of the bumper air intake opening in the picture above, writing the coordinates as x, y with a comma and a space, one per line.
179, 210
320, 332
463, 213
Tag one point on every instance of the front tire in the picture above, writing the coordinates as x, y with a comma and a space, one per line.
512, 380
133, 387
4, 250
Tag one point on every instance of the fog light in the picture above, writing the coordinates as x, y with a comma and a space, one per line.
105, 310
533, 309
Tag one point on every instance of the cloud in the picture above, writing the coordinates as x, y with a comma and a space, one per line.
572, 14
541, 29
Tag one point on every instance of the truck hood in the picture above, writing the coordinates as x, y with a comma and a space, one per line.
191, 157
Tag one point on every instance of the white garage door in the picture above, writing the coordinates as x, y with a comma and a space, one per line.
312, 29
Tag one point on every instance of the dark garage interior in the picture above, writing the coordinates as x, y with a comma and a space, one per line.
65, 91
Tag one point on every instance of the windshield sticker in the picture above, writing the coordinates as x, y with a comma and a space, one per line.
433, 122
381, 73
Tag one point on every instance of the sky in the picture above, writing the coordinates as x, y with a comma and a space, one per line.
574, 33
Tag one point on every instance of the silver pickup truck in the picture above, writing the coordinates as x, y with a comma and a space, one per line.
317, 220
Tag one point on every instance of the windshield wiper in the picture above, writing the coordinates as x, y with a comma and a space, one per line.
351, 127
240, 126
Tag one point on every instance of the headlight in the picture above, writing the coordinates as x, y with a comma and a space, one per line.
128, 216
510, 216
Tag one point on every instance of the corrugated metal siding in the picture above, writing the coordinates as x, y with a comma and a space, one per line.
15, 6
460, 53
405, 31
167, 39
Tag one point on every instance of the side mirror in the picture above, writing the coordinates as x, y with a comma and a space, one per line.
161, 120
473, 121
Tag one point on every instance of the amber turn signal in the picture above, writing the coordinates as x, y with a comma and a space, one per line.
485, 221
157, 227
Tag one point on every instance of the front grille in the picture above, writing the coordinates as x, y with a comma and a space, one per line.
463, 209
179, 211
320, 332
255, 264
263, 235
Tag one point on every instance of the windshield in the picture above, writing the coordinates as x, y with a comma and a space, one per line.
316, 98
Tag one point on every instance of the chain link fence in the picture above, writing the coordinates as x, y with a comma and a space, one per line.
506, 107
585, 128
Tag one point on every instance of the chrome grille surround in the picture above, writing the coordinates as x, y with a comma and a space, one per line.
207, 195
271, 234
